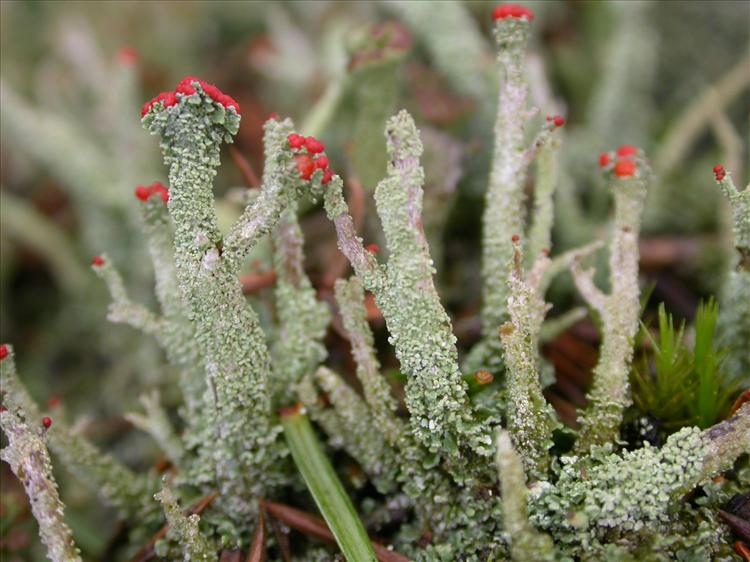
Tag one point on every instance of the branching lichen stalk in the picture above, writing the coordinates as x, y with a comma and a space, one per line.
420, 329
503, 213
530, 418
303, 319
619, 311
734, 316
350, 298
155, 422
29, 460
126, 491
238, 449
362, 436
184, 528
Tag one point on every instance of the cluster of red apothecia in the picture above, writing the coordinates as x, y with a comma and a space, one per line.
46, 421
145, 192
312, 159
186, 87
512, 11
624, 159
556, 120
719, 172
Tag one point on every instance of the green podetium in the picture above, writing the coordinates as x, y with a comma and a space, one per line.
619, 310
734, 319
420, 330
239, 448
29, 460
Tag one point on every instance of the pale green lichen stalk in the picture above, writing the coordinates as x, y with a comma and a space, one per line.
530, 418
238, 448
177, 331
547, 175
172, 329
427, 487
303, 319
734, 318
155, 421
184, 528
503, 213
358, 431
619, 312
420, 330
129, 493
350, 297
29, 460
526, 543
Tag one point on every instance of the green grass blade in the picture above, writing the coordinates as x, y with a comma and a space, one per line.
326, 488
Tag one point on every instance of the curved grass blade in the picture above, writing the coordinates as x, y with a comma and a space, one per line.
325, 487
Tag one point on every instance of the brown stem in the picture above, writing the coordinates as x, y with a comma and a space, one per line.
316, 527
258, 547
254, 282
246, 169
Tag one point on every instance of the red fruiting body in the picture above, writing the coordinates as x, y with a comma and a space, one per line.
515, 238
142, 193
626, 151
274, 116
186, 88
3, 409
327, 176
719, 172
545, 251
3, 352
168, 99
97, 261
512, 11
186, 85
54, 401
313, 145
625, 168
604, 159
558, 121
47, 422
145, 193
321, 162
373, 248
295, 141
127, 56
306, 166
158, 187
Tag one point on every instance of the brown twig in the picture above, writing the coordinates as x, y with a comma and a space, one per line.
739, 525
258, 546
230, 556
147, 552
246, 169
741, 399
743, 550
282, 539
254, 282
316, 527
